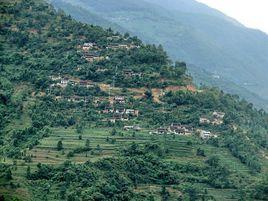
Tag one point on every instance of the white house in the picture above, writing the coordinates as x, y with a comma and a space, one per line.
132, 112
88, 46
207, 134
119, 99
135, 128
218, 115
64, 82
217, 122
204, 120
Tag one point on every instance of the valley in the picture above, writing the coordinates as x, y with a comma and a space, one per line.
90, 114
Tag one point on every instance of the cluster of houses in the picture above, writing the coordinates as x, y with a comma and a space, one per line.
205, 135
75, 99
93, 46
175, 128
91, 53
100, 100
122, 46
115, 37
118, 117
89, 46
133, 128
179, 129
216, 119
128, 73
116, 107
118, 100
64, 81
91, 50
93, 56
122, 111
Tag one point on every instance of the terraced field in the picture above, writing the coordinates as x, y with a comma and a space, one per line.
46, 151
181, 149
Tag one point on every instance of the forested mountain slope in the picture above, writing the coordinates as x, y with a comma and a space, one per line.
89, 114
195, 33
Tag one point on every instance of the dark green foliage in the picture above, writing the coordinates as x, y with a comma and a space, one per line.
8, 174
192, 193
22, 136
244, 150
71, 121
200, 152
164, 193
112, 179
79, 128
113, 132
115, 178
59, 145
98, 148
260, 189
78, 151
87, 144
148, 95
217, 173
28, 172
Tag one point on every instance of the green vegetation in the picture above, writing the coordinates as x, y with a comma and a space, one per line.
80, 107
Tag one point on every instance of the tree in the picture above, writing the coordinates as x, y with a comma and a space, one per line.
218, 175
113, 132
113, 141
28, 159
260, 190
180, 68
59, 145
164, 193
79, 128
98, 148
200, 152
8, 174
192, 192
71, 121
213, 161
148, 95
87, 144
126, 35
62, 192
28, 172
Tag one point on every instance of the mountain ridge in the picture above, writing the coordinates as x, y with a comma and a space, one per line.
230, 58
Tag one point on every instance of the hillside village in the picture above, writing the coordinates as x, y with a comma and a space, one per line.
90, 114
116, 106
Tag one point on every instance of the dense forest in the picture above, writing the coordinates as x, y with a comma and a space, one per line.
90, 114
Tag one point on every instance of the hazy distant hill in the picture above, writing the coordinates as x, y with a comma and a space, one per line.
192, 32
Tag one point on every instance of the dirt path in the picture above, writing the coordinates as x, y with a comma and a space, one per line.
157, 93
